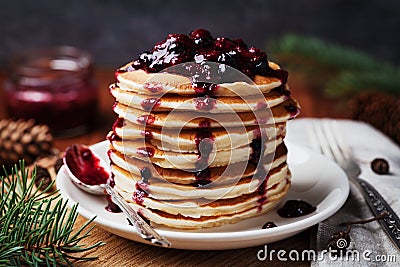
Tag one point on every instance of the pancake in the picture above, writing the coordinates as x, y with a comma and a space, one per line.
185, 222
188, 207
140, 82
163, 190
187, 160
200, 103
280, 114
185, 139
134, 167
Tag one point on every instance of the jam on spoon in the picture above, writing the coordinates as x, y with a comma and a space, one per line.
75, 158
87, 168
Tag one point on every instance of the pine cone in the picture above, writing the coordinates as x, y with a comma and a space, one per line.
380, 110
23, 140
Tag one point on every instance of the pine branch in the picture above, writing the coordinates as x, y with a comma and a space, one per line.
343, 70
37, 230
349, 82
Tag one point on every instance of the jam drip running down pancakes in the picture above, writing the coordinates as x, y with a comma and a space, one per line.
199, 149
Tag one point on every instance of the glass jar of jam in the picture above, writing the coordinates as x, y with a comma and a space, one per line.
54, 86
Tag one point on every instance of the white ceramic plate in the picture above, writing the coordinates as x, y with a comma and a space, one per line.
315, 180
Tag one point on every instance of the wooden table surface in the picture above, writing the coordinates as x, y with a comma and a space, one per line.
122, 252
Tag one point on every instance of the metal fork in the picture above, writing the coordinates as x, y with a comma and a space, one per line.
327, 138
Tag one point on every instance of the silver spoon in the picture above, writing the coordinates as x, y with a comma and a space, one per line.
142, 227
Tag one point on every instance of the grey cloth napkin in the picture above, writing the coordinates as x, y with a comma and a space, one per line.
369, 241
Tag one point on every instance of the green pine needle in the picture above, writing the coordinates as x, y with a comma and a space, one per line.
341, 70
36, 227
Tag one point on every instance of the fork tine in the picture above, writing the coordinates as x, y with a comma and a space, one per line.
331, 137
314, 141
322, 141
345, 150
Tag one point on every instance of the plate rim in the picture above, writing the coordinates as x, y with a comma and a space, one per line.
206, 237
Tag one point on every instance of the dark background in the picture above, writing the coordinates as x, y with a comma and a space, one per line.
117, 31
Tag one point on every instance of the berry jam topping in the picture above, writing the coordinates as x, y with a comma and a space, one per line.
206, 123
204, 88
262, 191
147, 134
200, 46
85, 165
119, 123
291, 108
261, 105
268, 225
203, 177
296, 208
258, 133
145, 173
261, 174
113, 137
149, 103
146, 119
153, 87
145, 152
111, 206
258, 150
205, 103
139, 196
141, 185
204, 140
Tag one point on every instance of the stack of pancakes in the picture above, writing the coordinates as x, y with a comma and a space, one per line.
192, 151
188, 167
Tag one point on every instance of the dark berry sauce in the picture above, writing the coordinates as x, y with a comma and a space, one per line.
113, 137
139, 196
119, 123
205, 103
261, 105
204, 88
146, 119
200, 46
258, 150
142, 186
262, 191
147, 134
111, 206
261, 174
292, 109
296, 208
145, 174
145, 152
206, 123
153, 87
268, 225
85, 165
204, 140
149, 103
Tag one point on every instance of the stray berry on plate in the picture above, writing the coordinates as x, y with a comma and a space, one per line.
380, 166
